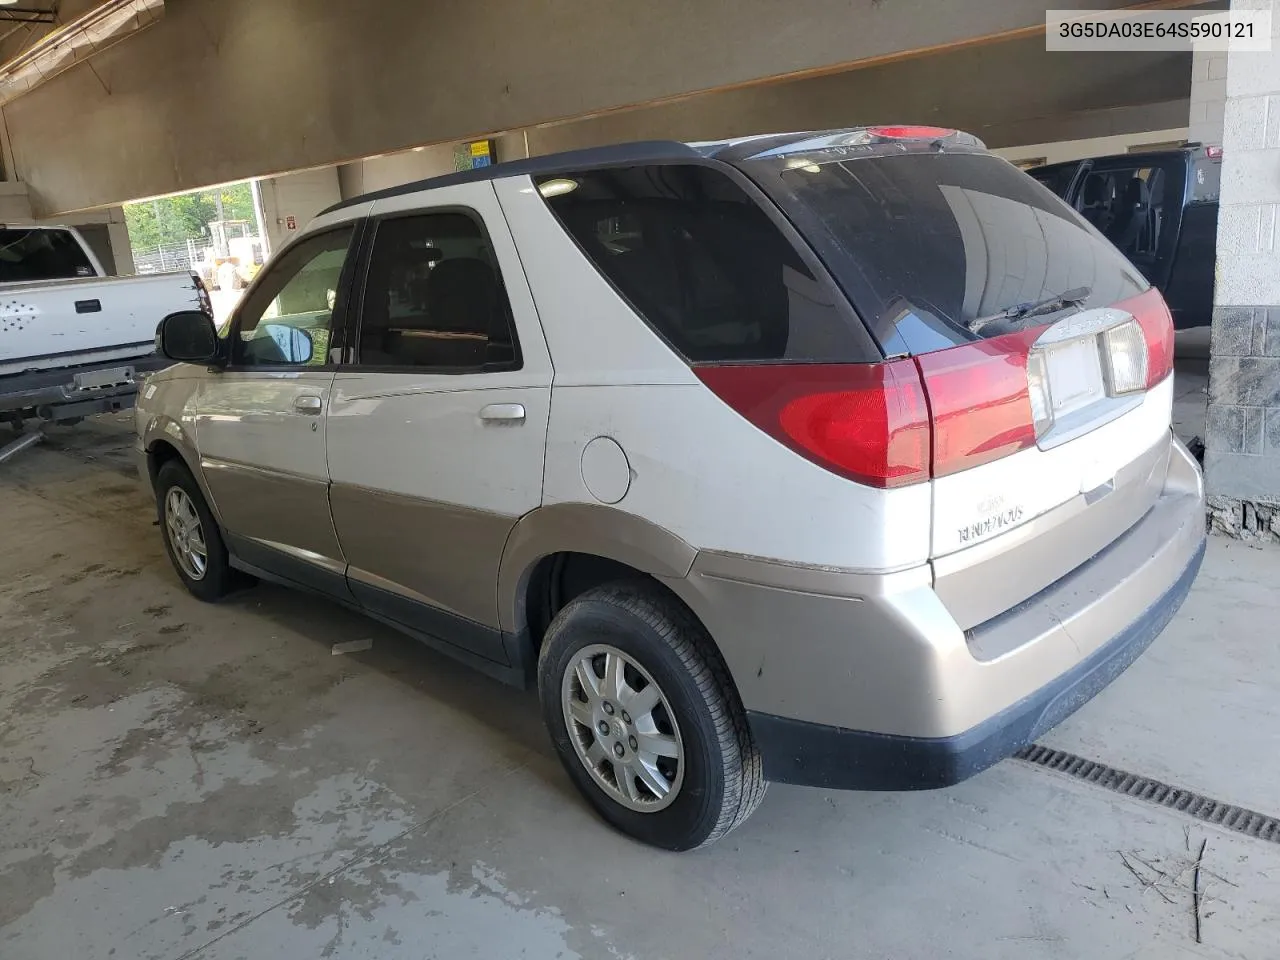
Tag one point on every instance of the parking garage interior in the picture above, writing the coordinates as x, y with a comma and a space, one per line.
274, 774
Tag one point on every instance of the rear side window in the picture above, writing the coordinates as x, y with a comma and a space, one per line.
703, 264
930, 246
434, 297
41, 255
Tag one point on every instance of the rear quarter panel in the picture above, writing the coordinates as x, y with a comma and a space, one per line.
695, 467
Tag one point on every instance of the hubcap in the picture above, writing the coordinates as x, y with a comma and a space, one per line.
186, 536
623, 728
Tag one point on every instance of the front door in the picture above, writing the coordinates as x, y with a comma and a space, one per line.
437, 431
260, 423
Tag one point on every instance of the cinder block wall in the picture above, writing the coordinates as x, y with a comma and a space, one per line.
1208, 96
1242, 462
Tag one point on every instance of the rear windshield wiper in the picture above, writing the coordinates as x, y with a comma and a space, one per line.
1022, 311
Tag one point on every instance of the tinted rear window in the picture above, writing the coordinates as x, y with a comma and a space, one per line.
41, 255
924, 243
704, 265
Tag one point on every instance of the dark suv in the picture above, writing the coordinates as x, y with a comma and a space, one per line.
1160, 209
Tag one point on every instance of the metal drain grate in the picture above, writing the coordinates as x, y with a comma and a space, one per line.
1241, 820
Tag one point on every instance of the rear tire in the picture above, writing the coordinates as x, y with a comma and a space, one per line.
623, 764
191, 534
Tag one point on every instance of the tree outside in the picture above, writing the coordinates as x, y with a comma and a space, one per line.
175, 220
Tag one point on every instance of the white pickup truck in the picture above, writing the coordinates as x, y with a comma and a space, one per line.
74, 342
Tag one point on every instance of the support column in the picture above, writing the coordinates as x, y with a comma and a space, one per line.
1242, 461
1208, 96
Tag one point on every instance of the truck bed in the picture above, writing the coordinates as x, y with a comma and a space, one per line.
52, 324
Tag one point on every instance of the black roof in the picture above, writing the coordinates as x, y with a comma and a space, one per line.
648, 151
617, 155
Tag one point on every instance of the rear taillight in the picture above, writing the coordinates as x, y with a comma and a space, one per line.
902, 421
1153, 317
871, 422
909, 132
868, 422
978, 395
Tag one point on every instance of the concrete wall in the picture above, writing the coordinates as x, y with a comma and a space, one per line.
1242, 461
1073, 96
378, 173
221, 90
1061, 151
108, 233
15, 204
298, 195
1208, 96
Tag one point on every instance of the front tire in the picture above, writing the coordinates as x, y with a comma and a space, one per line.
191, 535
645, 719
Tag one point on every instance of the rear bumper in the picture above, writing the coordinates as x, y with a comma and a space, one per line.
818, 755
869, 682
56, 394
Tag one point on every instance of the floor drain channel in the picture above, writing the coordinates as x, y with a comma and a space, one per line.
1241, 820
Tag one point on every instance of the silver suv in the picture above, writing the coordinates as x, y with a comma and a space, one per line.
839, 458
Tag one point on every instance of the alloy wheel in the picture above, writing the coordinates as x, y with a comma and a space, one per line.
622, 728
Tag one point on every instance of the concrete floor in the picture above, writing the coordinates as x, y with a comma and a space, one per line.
180, 780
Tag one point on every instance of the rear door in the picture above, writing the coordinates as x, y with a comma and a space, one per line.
1136, 202
437, 431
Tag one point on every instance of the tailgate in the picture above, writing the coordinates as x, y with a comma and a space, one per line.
1099, 385
54, 324
1004, 531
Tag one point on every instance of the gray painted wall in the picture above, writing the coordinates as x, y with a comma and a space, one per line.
221, 90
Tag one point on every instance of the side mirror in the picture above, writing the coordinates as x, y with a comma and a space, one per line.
296, 346
188, 337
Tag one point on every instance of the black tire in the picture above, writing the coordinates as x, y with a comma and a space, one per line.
219, 578
723, 776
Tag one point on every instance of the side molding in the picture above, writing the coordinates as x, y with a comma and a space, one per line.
583, 528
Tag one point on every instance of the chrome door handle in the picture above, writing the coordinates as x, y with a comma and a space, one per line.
308, 404
503, 411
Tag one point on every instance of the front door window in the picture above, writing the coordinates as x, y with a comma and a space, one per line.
287, 320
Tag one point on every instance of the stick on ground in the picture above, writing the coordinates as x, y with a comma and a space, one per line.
1196, 892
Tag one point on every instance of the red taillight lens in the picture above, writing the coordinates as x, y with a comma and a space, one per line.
899, 422
1152, 314
911, 132
868, 422
978, 397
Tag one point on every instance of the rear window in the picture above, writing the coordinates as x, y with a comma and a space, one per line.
704, 265
41, 255
927, 243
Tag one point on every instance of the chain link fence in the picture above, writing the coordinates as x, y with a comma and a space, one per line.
164, 258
